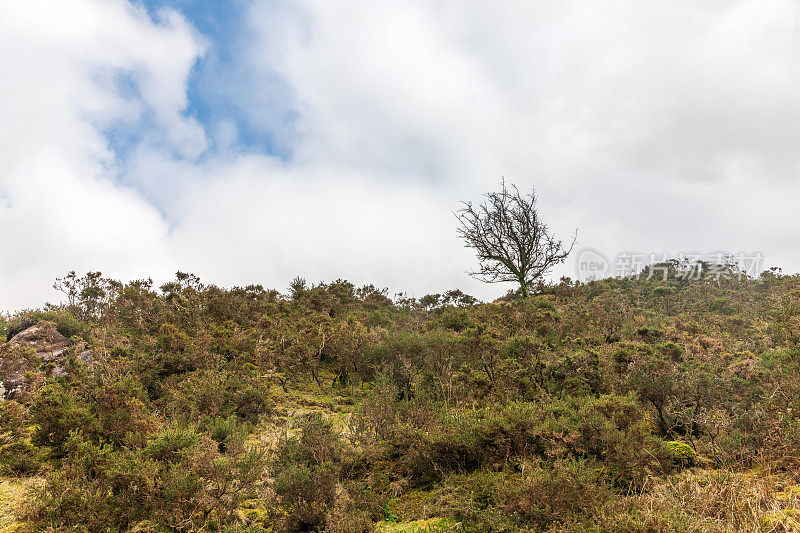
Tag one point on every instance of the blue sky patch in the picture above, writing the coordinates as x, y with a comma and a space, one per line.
224, 93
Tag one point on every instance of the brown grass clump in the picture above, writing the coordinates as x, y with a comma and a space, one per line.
709, 500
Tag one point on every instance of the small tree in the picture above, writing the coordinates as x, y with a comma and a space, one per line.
511, 241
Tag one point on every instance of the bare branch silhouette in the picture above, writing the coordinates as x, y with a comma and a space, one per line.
510, 239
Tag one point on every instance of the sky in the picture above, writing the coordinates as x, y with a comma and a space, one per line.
253, 141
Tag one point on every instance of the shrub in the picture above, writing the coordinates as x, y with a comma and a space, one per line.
347, 516
723, 306
18, 456
526, 414
177, 481
663, 291
424, 454
171, 339
96, 487
307, 470
104, 408
671, 350
546, 495
541, 497
611, 430
212, 393
625, 353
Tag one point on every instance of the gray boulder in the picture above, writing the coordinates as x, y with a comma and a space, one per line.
27, 350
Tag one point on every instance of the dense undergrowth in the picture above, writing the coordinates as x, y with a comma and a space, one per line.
618, 405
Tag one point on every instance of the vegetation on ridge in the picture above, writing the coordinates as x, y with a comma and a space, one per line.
617, 405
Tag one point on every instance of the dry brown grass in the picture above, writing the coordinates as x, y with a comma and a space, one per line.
711, 500
13, 497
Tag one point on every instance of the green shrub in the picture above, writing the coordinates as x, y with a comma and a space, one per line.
527, 414
540, 497
103, 408
177, 481
611, 430
649, 334
565, 492
172, 339
671, 350
723, 306
425, 453
349, 515
626, 352
307, 471
663, 291
96, 487
217, 393
171, 444
18, 456
455, 319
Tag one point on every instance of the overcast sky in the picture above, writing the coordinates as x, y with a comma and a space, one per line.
254, 141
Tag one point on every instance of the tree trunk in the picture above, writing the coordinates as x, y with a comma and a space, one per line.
523, 289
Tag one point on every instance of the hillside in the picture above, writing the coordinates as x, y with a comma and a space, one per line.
620, 405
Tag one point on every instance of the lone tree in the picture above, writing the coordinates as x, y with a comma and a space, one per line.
511, 241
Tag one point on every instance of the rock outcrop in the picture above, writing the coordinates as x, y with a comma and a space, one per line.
27, 351
45, 340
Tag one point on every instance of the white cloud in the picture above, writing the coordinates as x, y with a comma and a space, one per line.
259, 220
654, 126
62, 207
658, 126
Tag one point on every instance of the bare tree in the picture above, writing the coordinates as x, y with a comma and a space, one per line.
511, 241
